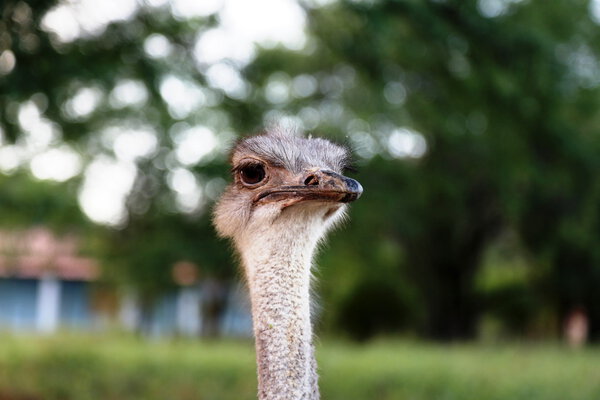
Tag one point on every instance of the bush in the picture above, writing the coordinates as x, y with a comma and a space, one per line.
82, 368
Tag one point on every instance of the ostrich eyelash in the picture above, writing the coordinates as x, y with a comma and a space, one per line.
245, 164
353, 169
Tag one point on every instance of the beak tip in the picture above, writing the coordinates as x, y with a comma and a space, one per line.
354, 187
359, 190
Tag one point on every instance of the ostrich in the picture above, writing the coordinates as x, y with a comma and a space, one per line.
288, 191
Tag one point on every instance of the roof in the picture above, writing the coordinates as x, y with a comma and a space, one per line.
38, 252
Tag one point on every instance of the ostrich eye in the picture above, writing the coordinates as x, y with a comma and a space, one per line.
252, 174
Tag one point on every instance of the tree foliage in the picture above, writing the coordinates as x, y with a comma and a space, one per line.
468, 122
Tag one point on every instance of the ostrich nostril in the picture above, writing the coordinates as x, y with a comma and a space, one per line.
311, 180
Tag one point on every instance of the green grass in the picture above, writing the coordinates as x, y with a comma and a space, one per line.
82, 368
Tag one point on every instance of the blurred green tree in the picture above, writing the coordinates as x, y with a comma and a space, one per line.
25, 201
505, 96
49, 72
469, 118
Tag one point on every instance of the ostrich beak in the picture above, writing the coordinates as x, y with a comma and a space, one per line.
315, 185
328, 183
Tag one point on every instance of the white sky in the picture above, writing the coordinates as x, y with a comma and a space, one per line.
404, 142
105, 187
595, 10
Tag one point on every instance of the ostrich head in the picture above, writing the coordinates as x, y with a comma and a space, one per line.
286, 192
278, 175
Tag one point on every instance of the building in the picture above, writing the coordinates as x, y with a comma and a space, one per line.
45, 286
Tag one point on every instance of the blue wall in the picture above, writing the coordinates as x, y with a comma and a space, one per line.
18, 304
75, 307
18, 298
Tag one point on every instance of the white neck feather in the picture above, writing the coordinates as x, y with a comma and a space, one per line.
277, 258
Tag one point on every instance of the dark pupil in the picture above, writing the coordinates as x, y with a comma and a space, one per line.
252, 174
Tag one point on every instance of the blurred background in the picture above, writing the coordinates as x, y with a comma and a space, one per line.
476, 135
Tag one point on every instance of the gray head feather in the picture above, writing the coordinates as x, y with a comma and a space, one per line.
294, 153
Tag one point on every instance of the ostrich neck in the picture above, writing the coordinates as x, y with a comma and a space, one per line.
278, 272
